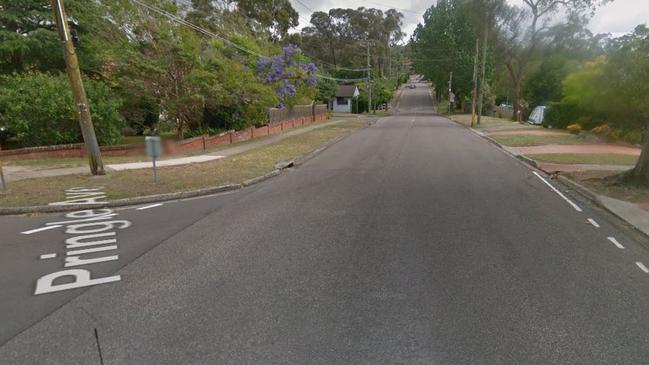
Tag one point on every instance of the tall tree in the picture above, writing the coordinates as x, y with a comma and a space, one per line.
522, 30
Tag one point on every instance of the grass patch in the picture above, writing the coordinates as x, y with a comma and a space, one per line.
520, 140
487, 122
596, 181
586, 158
123, 184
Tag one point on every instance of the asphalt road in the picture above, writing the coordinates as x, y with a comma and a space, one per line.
412, 241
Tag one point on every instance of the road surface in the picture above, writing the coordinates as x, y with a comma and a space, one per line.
412, 241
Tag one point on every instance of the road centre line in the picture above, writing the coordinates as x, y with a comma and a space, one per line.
47, 256
592, 221
40, 229
642, 267
149, 206
615, 242
577, 208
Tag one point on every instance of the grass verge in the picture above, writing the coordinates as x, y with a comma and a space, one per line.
595, 181
488, 122
125, 184
521, 140
586, 158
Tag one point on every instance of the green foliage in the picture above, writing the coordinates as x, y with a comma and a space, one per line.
446, 42
561, 114
38, 109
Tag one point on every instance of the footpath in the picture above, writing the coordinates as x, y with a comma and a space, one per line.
581, 162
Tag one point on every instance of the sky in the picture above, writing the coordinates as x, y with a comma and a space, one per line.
617, 17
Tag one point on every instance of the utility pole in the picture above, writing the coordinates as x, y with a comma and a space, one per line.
450, 84
474, 94
369, 79
79, 93
482, 69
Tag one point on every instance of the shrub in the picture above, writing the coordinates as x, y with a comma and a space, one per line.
38, 109
560, 114
574, 128
606, 132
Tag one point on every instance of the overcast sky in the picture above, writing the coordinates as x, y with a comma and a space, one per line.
618, 17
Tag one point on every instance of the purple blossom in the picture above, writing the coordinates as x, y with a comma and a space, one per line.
282, 68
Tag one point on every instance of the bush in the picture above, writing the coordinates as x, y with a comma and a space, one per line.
38, 109
560, 114
574, 128
606, 132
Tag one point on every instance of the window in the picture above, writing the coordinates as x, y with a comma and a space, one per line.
341, 101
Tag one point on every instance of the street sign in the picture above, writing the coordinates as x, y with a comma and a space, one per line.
153, 150
153, 146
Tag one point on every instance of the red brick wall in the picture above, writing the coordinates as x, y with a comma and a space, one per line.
170, 147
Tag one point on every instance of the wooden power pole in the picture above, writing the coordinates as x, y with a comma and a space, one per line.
79, 93
474, 94
369, 79
483, 69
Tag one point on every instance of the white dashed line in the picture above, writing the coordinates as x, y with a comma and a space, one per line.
577, 208
40, 229
149, 206
592, 221
615, 242
642, 267
48, 256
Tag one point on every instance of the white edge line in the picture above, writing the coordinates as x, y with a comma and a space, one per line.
615, 242
47, 256
149, 206
577, 208
642, 267
592, 221
40, 229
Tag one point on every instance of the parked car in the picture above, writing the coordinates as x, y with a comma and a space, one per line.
537, 115
412, 86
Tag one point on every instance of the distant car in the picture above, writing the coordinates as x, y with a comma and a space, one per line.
412, 86
537, 115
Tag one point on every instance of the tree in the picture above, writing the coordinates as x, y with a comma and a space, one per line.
288, 72
276, 15
446, 42
522, 30
614, 88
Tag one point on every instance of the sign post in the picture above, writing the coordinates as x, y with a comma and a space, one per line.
2, 177
153, 150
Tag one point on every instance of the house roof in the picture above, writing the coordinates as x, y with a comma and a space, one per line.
346, 91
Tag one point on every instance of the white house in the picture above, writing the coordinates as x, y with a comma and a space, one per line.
345, 95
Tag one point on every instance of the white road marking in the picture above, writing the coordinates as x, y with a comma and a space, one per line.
615, 242
642, 267
149, 206
592, 221
48, 256
577, 208
40, 229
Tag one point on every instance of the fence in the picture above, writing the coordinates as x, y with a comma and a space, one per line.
299, 116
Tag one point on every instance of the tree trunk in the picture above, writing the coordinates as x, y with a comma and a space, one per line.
482, 70
516, 101
641, 170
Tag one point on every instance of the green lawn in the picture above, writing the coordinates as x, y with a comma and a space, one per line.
519, 140
487, 122
586, 158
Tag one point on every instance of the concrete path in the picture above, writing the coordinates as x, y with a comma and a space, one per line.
596, 148
553, 167
162, 163
527, 131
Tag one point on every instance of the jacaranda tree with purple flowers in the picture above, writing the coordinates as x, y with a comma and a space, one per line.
289, 71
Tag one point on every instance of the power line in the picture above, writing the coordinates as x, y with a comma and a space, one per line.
177, 19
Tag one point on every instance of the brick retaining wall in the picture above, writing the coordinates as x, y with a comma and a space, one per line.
78, 150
